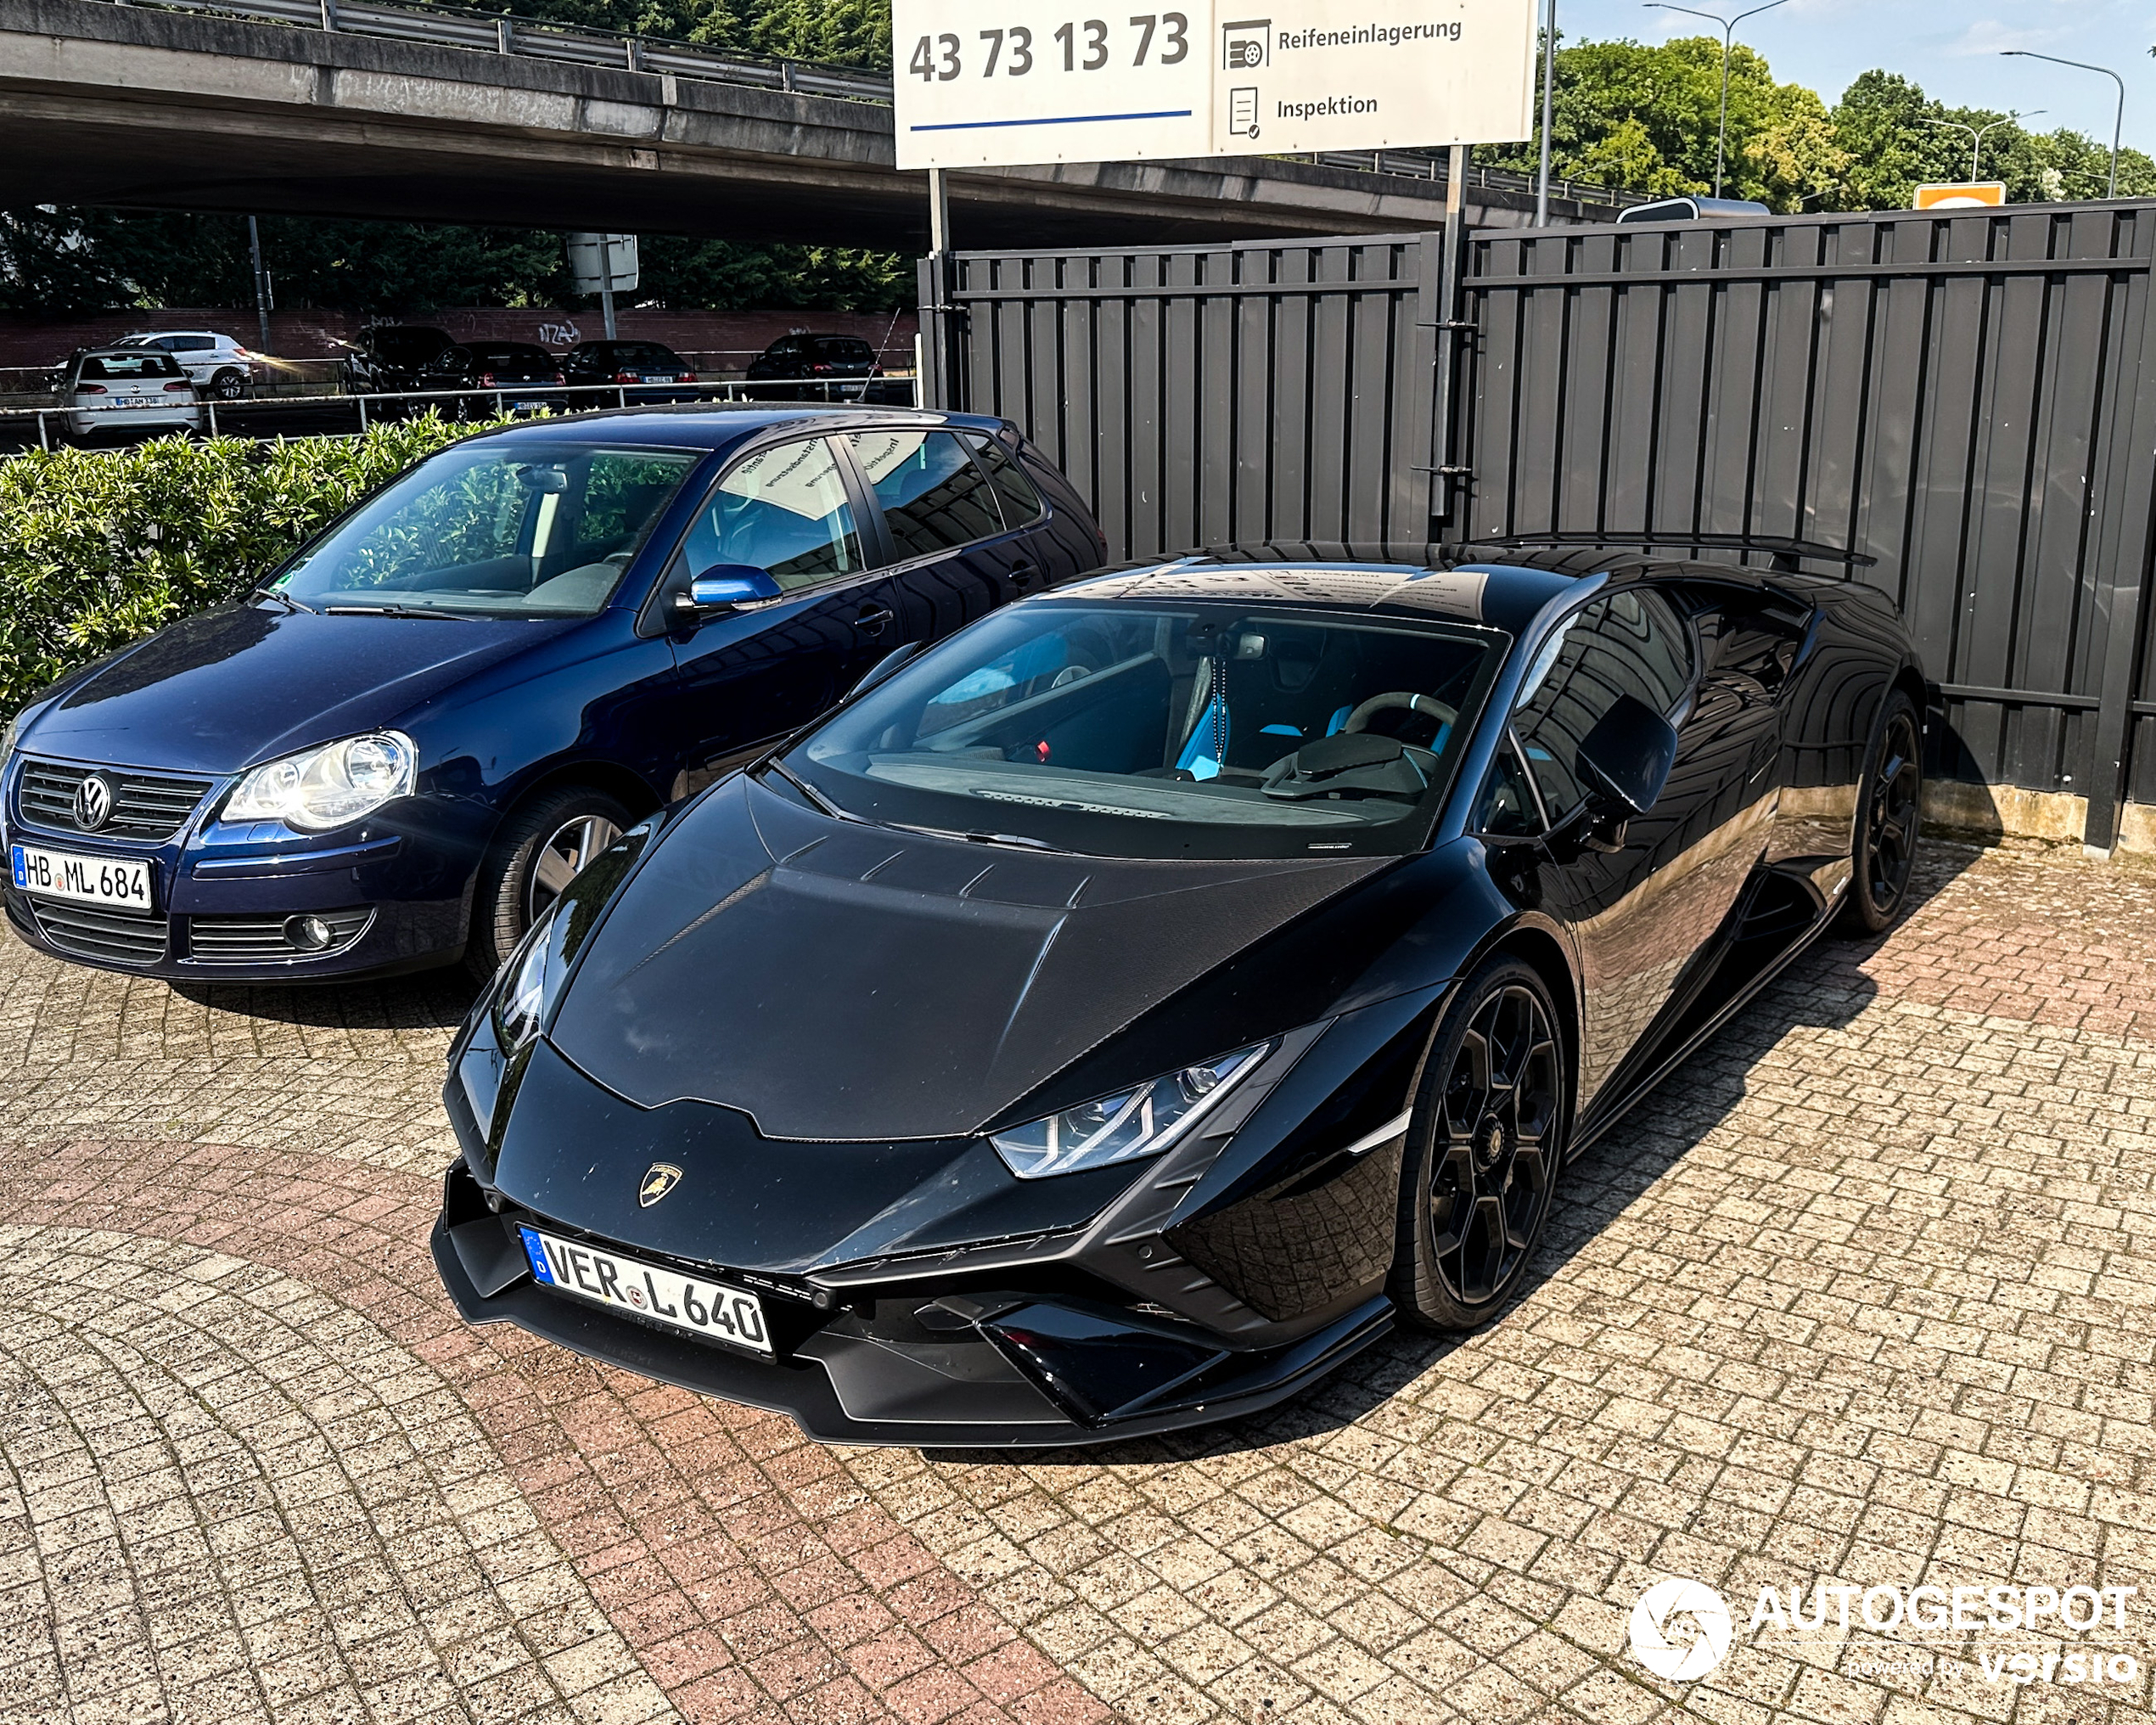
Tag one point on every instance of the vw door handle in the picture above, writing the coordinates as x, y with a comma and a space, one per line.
875, 620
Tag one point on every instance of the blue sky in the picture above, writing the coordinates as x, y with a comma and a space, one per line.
1950, 46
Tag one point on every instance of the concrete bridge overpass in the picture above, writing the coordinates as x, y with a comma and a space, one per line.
381, 117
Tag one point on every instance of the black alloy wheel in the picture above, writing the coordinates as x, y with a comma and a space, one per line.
540, 848
229, 385
1484, 1151
1889, 818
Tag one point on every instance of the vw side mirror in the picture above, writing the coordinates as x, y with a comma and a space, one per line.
732, 584
1626, 759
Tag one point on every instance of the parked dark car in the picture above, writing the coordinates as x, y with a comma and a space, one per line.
410, 741
825, 368
1140, 1004
522, 378
608, 371
391, 357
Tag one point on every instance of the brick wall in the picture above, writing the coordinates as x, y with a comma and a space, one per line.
716, 341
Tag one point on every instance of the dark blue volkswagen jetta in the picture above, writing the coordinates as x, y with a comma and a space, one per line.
400, 749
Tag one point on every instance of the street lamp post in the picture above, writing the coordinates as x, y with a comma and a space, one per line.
1728, 26
2118, 126
1979, 133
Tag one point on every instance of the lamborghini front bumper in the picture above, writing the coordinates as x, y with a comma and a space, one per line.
969, 1369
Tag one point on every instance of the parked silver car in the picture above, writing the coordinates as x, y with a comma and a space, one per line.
217, 364
120, 388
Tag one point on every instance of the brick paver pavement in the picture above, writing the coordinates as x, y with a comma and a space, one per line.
1867, 1293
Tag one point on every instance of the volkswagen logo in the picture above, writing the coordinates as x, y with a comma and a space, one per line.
659, 1179
93, 802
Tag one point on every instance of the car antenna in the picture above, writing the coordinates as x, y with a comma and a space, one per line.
1789, 554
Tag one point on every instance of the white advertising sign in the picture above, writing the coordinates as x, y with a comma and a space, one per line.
1010, 83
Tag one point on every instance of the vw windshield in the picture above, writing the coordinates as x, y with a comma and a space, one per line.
516, 530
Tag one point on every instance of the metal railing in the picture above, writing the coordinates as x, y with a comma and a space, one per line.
508, 401
491, 33
505, 33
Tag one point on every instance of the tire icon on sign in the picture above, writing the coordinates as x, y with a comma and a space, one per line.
1245, 46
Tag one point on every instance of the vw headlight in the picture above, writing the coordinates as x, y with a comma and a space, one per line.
13, 734
1132, 1123
330, 786
520, 1001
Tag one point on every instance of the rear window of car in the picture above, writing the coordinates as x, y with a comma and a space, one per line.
648, 354
112, 368
511, 353
843, 347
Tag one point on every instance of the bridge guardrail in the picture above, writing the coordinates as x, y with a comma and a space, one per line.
554, 396
506, 33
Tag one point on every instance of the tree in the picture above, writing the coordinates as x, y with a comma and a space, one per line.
1643, 119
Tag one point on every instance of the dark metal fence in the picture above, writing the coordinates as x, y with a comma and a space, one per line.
1197, 394
1970, 399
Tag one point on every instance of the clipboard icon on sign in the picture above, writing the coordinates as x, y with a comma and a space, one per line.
1243, 113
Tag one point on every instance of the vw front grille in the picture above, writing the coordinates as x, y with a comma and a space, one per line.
145, 805
101, 932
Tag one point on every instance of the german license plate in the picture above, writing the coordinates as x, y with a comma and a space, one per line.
711, 1310
529, 407
87, 879
661, 377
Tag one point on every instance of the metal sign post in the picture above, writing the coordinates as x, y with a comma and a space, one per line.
606, 283
261, 284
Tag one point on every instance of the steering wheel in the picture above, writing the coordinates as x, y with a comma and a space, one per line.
1425, 705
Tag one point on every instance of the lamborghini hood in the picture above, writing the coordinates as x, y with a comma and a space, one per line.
840, 981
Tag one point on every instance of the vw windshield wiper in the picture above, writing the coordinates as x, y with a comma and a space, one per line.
283, 598
388, 611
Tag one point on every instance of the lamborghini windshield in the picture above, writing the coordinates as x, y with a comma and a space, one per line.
1165, 730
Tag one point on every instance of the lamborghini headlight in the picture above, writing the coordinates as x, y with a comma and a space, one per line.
1142, 1121
520, 1000
327, 787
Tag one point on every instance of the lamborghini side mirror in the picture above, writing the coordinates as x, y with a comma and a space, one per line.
1626, 760
888, 665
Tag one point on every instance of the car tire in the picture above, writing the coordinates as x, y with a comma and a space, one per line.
229, 385
540, 848
1890, 821
1484, 1147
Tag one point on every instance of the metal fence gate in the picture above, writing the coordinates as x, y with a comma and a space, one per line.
1198, 394
1970, 399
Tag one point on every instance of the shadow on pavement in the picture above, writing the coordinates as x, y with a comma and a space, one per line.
433, 1000
1826, 988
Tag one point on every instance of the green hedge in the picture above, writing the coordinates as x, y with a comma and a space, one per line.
98, 549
